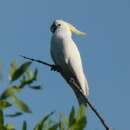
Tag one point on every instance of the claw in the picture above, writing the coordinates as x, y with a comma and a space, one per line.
56, 68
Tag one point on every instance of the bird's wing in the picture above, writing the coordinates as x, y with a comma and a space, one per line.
67, 56
74, 64
76, 69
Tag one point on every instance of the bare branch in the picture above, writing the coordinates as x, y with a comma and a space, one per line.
38, 61
58, 69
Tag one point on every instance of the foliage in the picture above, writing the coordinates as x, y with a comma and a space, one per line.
75, 121
21, 77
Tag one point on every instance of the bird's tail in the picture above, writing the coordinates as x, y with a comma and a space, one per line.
81, 98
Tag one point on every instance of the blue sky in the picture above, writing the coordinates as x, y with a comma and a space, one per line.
24, 29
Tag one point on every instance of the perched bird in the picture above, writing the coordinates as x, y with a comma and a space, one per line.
65, 54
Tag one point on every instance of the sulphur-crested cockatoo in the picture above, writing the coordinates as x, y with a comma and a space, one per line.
65, 54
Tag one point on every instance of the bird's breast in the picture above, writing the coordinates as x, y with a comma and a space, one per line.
60, 51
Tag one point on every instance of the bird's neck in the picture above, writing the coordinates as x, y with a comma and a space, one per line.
63, 33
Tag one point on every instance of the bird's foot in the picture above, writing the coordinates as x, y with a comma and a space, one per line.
56, 68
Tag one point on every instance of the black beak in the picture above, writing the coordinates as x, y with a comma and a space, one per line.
53, 28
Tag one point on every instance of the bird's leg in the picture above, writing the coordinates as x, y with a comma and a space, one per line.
56, 68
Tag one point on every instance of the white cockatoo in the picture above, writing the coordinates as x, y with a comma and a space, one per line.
65, 54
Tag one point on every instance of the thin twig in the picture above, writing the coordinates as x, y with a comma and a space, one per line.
89, 103
98, 115
92, 107
39, 61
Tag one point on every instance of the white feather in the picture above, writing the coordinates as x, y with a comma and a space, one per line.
65, 53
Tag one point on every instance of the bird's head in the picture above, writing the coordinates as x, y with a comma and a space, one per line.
64, 26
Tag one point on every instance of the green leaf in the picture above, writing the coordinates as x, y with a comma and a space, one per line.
61, 125
29, 74
32, 75
24, 127
9, 127
82, 123
13, 68
72, 117
14, 114
1, 119
38, 87
54, 127
29, 78
4, 104
35, 73
80, 119
40, 125
10, 91
21, 105
47, 116
19, 72
64, 118
82, 112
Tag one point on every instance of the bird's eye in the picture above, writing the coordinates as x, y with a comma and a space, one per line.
59, 25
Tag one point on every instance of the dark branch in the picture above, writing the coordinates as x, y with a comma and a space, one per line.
38, 61
58, 69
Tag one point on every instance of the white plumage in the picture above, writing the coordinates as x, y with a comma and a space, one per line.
65, 53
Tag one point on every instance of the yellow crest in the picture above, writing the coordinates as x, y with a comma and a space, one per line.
75, 30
